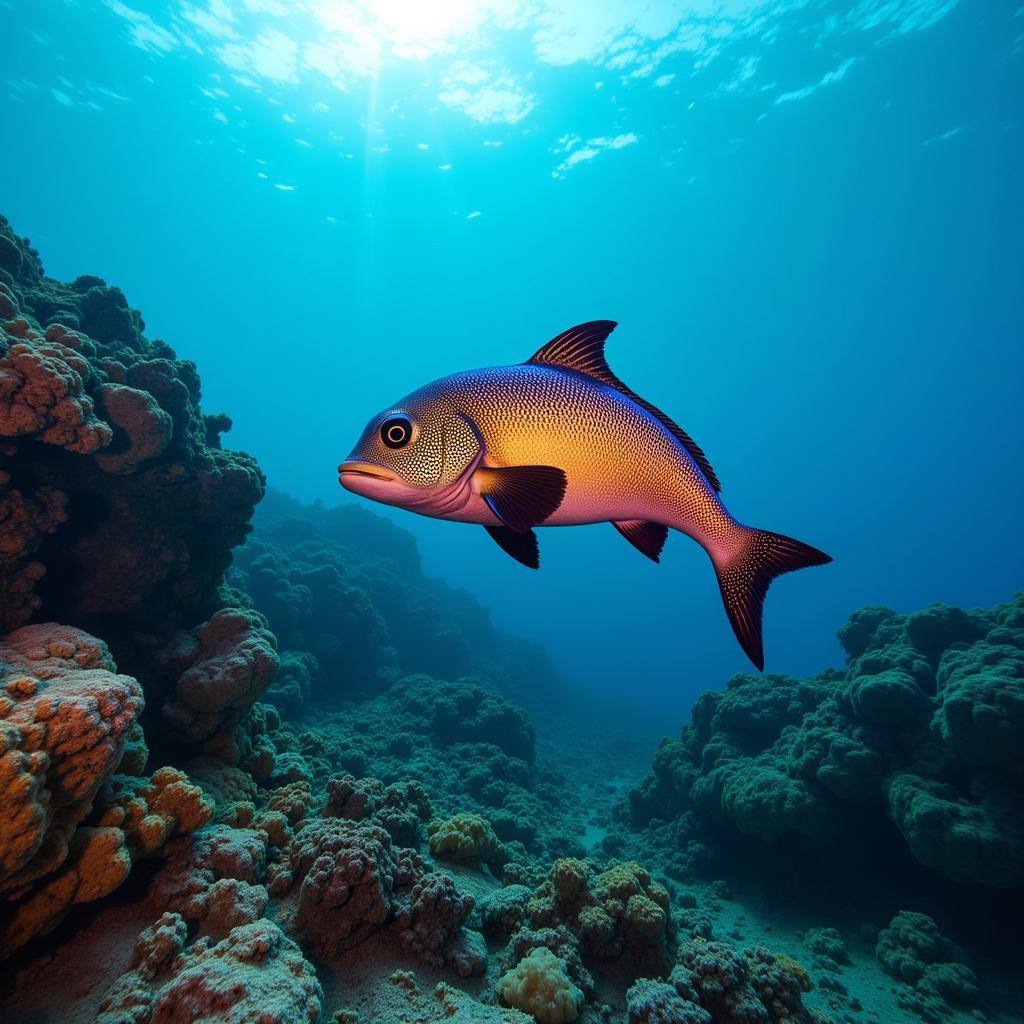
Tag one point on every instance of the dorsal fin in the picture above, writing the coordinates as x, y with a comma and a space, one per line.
581, 348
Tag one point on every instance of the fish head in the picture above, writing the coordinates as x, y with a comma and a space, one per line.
413, 451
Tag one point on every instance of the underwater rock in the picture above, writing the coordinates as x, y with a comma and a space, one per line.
925, 722
972, 839
221, 668
255, 973
913, 950
117, 505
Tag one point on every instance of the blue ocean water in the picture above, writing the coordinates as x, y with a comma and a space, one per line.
806, 218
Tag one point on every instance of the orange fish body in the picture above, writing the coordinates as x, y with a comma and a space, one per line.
561, 441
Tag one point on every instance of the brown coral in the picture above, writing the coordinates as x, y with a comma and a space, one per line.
64, 716
107, 424
224, 665
149, 811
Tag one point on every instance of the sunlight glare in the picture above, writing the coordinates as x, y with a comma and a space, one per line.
414, 29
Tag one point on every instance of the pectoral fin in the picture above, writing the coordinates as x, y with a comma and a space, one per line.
647, 538
521, 496
521, 546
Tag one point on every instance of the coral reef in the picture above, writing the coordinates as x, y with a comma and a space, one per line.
734, 987
430, 731
220, 668
464, 839
343, 591
913, 950
65, 717
118, 507
924, 722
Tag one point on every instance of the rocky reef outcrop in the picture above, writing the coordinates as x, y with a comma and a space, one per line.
344, 593
118, 506
920, 734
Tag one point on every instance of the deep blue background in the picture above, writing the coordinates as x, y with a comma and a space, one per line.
826, 291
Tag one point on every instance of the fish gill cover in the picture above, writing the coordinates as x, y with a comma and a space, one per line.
265, 757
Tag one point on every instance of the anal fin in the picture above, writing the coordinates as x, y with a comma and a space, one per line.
648, 538
521, 545
521, 496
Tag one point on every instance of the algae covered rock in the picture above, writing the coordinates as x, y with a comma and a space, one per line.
464, 839
913, 950
924, 723
254, 973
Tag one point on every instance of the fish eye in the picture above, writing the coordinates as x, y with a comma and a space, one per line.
396, 432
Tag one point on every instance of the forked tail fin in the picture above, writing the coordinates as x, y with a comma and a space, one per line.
745, 572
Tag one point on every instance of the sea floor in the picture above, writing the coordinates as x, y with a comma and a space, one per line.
62, 979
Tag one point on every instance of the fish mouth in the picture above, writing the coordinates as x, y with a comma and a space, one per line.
352, 467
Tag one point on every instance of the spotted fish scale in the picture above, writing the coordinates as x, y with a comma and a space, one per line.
561, 441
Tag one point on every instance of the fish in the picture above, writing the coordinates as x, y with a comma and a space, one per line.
560, 440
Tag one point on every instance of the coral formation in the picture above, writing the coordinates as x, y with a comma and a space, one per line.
924, 721
220, 668
254, 973
65, 717
540, 985
118, 505
464, 839
913, 950
618, 913
359, 613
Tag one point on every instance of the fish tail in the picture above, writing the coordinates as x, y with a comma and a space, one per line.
745, 569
